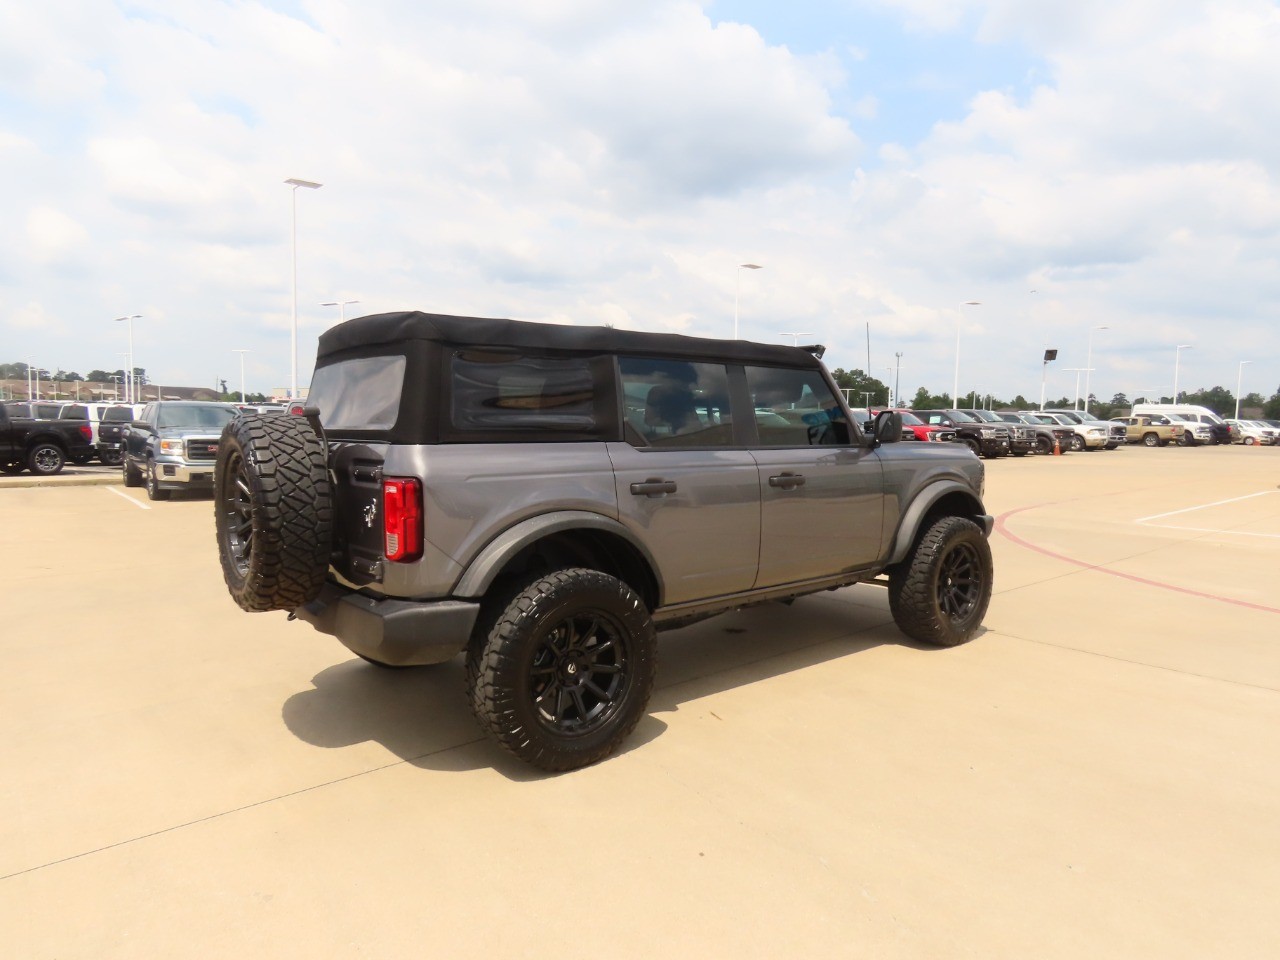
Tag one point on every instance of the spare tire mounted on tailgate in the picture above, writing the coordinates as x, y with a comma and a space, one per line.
273, 511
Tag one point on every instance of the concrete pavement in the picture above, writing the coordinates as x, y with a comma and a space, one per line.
1095, 775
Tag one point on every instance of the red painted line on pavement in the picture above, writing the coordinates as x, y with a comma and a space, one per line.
1003, 528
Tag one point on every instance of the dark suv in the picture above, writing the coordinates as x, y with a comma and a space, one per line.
984, 439
544, 498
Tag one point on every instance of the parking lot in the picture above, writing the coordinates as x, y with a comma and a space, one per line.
1095, 775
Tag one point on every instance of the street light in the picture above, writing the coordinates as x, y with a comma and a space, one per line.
897, 370
1088, 365
1049, 357
294, 184
955, 388
129, 320
1177, 359
1077, 371
737, 285
242, 353
342, 307
795, 337
1239, 374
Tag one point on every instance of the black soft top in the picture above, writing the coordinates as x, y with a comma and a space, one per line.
391, 328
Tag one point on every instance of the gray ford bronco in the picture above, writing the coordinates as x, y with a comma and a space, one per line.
545, 498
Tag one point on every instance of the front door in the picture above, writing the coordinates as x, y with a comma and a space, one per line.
821, 491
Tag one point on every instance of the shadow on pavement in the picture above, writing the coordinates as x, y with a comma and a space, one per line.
421, 714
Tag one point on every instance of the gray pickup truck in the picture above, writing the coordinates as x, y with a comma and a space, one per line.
172, 444
545, 498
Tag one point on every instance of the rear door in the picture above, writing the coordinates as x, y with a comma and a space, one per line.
821, 491
686, 484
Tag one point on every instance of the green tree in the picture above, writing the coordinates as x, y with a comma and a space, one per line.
1218, 399
1271, 409
860, 386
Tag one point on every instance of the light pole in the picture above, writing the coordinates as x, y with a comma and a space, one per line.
342, 308
897, 370
795, 337
955, 388
1077, 371
242, 353
1177, 360
1088, 365
1239, 374
294, 184
129, 320
128, 377
737, 286
1049, 357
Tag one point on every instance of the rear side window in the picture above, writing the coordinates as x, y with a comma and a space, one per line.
75, 411
494, 392
795, 408
118, 414
361, 394
676, 403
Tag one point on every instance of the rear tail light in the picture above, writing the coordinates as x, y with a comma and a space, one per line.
86, 431
401, 519
296, 409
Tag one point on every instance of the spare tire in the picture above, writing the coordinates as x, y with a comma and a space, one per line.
272, 511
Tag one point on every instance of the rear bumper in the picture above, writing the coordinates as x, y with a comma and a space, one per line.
400, 633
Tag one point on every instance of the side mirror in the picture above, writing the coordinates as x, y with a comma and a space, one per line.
887, 428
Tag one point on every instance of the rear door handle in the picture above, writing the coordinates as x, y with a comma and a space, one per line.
654, 487
787, 481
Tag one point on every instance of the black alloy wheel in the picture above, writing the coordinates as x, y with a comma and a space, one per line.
960, 582
560, 667
940, 593
236, 505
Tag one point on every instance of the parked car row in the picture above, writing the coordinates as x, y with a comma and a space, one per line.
56, 434
997, 433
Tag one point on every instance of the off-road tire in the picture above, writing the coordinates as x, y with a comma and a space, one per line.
973, 445
561, 666
132, 475
273, 511
1150, 440
46, 459
152, 478
940, 593
1044, 445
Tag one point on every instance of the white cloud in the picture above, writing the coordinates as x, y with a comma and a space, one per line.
585, 161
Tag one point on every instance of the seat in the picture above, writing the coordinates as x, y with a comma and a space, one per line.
669, 410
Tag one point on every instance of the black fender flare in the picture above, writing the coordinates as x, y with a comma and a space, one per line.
914, 515
498, 552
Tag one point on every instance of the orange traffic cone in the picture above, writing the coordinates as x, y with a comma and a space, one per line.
1057, 450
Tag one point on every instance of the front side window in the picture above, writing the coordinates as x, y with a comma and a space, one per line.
795, 408
496, 392
676, 403
360, 394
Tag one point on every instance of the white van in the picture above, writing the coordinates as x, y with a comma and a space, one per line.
1208, 427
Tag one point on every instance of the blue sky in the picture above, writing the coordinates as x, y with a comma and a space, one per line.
583, 161
917, 76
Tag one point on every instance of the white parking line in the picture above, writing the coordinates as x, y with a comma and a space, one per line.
1203, 506
119, 493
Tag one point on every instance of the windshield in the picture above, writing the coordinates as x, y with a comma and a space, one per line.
961, 417
210, 416
911, 420
987, 415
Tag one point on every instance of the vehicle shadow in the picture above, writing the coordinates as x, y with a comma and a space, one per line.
421, 714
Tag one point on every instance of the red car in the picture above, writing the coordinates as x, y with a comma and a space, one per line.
923, 431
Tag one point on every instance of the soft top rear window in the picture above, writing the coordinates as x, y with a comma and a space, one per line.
359, 394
